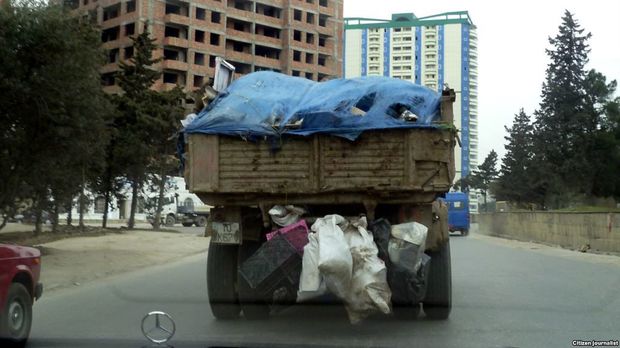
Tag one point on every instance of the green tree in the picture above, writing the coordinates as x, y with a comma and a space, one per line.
133, 123
560, 156
163, 125
484, 177
515, 182
51, 104
601, 135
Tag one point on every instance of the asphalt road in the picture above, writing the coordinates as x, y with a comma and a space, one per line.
505, 295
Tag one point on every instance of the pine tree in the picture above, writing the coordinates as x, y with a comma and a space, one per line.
559, 153
485, 176
135, 112
514, 182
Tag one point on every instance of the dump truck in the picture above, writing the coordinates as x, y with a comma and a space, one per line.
396, 174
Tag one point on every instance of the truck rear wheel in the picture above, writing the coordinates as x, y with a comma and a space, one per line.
438, 300
221, 280
253, 305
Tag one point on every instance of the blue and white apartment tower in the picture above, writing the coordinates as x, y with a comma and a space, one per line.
432, 51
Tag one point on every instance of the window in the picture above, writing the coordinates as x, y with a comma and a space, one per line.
309, 75
214, 39
85, 2
198, 82
130, 29
310, 1
297, 56
199, 58
323, 3
215, 17
170, 77
296, 35
297, 15
99, 205
211, 61
310, 18
322, 20
128, 52
322, 41
199, 36
295, 73
131, 6
322, 60
110, 34
201, 13
309, 58
111, 12
113, 55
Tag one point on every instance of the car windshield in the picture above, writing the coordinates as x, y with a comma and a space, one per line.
320, 173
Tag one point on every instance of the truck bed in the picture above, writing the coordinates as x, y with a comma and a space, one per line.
392, 164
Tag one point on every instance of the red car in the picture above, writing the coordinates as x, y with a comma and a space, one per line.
20, 268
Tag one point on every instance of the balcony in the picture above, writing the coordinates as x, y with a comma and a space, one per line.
268, 20
112, 89
268, 62
328, 30
124, 41
239, 14
244, 57
174, 65
239, 35
175, 41
110, 67
268, 41
177, 19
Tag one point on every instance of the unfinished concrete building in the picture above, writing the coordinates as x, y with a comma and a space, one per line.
296, 37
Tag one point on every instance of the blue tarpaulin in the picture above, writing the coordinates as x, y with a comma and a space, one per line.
263, 104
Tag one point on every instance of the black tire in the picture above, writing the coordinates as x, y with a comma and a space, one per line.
187, 224
253, 305
170, 220
221, 280
438, 300
16, 317
201, 221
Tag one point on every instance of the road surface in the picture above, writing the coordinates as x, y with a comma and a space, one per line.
506, 294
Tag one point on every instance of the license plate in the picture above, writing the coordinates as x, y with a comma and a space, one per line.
226, 233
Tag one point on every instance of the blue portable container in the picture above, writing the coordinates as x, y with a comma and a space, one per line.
458, 212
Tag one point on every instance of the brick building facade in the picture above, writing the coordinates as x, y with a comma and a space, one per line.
295, 37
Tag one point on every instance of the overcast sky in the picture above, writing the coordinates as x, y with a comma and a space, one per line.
512, 37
